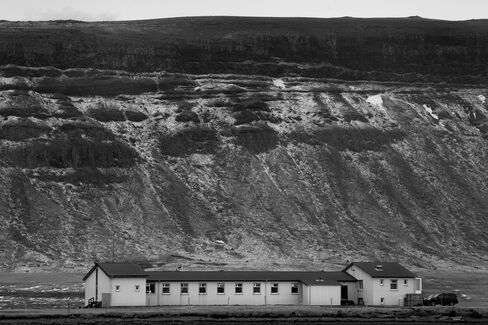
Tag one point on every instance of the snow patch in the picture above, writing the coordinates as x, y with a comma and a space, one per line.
482, 98
279, 83
375, 100
429, 110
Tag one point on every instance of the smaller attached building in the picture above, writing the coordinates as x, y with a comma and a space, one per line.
116, 284
383, 283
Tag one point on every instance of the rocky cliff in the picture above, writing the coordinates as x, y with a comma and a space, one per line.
408, 49
241, 154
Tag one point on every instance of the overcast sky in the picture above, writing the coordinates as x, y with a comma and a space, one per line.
145, 9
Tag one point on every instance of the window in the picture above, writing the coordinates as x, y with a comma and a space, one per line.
165, 288
137, 288
294, 288
238, 289
405, 283
202, 289
360, 285
117, 287
220, 288
150, 288
382, 282
382, 300
394, 285
184, 288
274, 288
256, 288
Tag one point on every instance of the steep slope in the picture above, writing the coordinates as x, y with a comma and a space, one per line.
225, 142
240, 170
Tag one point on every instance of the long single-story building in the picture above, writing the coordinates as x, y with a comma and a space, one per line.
127, 284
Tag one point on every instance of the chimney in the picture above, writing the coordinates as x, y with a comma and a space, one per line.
379, 268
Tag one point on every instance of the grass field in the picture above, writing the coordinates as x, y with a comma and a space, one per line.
57, 290
247, 315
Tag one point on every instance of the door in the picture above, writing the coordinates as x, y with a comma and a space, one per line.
105, 300
344, 293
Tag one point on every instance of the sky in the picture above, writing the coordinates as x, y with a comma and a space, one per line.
93, 10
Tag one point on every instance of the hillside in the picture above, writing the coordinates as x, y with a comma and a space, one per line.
243, 142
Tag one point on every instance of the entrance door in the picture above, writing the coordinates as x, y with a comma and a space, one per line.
105, 300
344, 293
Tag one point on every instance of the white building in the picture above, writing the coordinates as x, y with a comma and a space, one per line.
383, 283
248, 288
126, 284
116, 284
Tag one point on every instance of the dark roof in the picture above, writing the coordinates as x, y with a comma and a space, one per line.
318, 277
383, 269
118, 270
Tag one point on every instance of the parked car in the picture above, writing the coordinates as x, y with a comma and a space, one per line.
441, 299
345, 302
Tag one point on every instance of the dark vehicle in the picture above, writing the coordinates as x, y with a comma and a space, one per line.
345, 302
441, 299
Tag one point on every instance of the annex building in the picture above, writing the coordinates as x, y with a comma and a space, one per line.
127, 284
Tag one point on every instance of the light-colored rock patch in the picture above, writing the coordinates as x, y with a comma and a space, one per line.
375, 100
429, 110
279, 83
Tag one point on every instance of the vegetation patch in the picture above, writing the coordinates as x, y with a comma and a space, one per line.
104, 113
187, 116
70, 153
66, 109
185, 113
21, 104
351, 115
81, 127
197, 139
19, 130
256, 138
252, 110
354, 139
220, 102
252, 105
135, 116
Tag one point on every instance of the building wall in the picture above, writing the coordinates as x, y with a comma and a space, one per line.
229, 297
103, 285
321, 295
306, 294
128, 296
352, 291
367, 292
391, 297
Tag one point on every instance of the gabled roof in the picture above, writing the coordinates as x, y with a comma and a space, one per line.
382, 269
318, 277
118, 270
